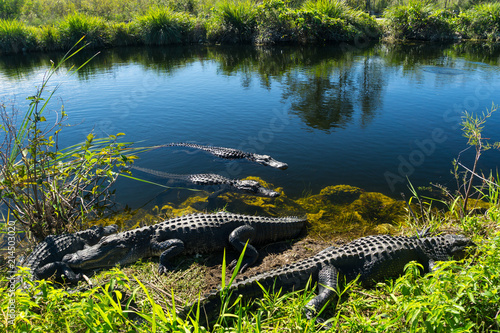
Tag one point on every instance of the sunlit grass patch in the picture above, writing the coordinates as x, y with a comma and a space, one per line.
15, 36
232, 21
163, 26
418, 20
481, 21
76, 26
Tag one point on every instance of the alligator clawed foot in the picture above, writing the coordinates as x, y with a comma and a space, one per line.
233, 263
162, 269
322, 323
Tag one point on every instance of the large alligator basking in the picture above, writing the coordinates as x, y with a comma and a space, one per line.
236, 185
189, 234
232, 154
372, 259
46, 259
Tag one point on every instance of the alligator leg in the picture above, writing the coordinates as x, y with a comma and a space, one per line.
238, 238
168, 249
57, 269
327, 285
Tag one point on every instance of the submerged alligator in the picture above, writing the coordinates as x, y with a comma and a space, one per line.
46, 259
189, 234
239, 185
372, 259
232, 154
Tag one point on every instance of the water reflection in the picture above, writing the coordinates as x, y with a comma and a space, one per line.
325, 85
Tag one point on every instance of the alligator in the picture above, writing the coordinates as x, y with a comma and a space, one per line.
238, 185
369, 259
232, 154
46, 259
189, 234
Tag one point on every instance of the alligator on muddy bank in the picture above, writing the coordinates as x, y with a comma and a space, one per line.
232, 154
189, 234
372, 259
46, 259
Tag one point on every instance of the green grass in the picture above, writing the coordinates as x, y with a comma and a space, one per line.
163, 26
41, 25
15, 36
461, 296
481, 21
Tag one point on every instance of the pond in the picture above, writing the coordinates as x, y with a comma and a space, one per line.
367, 117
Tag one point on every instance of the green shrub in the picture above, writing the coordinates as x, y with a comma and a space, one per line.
163, 26
16, 37
273, 24
75, 26
38, 12
419, 20
122, 34
10, 9
329, 8
48, 38
232, 21
481, 21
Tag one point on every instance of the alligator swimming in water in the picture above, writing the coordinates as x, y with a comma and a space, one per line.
372, 259
46, 259
238, 185
195, 233
232, 154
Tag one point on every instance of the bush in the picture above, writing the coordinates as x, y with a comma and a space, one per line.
10, 9
273, 25
329, 8
163, 26
16, 37
75, 26
419, 20
481, 21
232, 21
50, 190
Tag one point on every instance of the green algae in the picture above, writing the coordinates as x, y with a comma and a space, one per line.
335, 209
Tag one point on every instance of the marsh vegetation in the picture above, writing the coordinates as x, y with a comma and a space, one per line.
44, 25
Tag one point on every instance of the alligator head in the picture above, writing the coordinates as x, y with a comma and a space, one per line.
457, 245
108, 252
268, 161
254, 187
448, 246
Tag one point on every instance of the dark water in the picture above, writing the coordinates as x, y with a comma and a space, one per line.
365, 117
